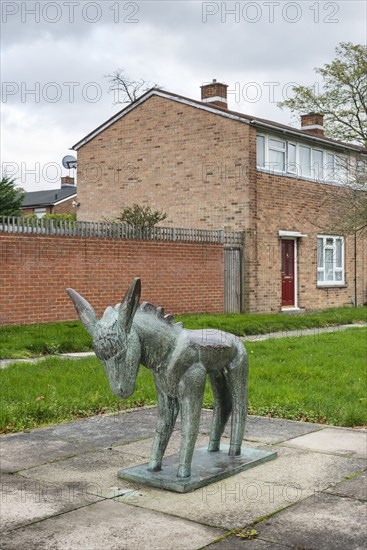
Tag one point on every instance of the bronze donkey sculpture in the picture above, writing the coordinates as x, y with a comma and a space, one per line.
128, 335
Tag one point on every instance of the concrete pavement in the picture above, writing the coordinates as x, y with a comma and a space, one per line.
60, 490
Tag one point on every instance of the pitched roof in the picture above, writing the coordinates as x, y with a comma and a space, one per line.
49, 197
234, 115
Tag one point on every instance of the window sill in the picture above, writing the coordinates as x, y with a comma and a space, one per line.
331, 285
293, 175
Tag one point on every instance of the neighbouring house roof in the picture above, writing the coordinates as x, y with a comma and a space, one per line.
49, 197
234, 115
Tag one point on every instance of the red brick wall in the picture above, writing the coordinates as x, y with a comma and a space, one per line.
36, 270
65, 207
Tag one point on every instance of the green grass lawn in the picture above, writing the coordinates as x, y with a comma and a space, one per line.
52, 338
319, 378
262, 323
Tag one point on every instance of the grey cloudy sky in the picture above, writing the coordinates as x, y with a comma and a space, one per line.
55, 56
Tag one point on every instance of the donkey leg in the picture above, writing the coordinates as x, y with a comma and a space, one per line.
191, 392
238, 379
222, 408
167, 413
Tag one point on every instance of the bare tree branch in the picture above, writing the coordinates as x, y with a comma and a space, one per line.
126, 89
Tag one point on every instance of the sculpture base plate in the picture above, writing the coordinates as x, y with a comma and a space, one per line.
206, 468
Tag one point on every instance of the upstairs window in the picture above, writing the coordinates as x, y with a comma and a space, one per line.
305, 161
260, 151
287, 157
292, 166
330, 260
317, 164
341, 165
277, 155
329, 168
361, 171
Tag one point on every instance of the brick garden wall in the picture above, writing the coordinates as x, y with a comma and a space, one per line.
36, 270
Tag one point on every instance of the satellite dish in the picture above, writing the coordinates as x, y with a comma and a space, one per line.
69, 162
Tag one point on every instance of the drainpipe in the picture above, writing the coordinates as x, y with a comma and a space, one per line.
355, 268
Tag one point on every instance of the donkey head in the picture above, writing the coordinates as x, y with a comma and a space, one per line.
111, 337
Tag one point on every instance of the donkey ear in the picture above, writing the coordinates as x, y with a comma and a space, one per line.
85, 311
129, 305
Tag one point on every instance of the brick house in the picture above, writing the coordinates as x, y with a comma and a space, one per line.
51, 201
209, 167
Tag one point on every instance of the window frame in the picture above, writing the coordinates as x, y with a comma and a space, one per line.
326, 246
263, 137
282, 150
296, 163
329, 173
40, 212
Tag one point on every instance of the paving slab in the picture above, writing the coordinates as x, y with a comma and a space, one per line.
356, 487
95, 473
107, 430
276, 430
114, 526
237, 501
307, 463
334, 440
265, 429
237, 543
28, 449
248, 496
25, 450
24, 501
322, 523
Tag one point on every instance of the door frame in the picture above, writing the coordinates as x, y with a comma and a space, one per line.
286, 238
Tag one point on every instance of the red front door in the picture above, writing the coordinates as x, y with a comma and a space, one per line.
288, 273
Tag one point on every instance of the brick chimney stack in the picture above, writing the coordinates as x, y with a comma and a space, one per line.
215, 93
67, 180
313, 123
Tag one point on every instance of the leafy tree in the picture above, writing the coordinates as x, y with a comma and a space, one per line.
350, 211
343, 97
141, 217
126, 89
11, 197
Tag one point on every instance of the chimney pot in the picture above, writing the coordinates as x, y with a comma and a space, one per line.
215, 93
313, 123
